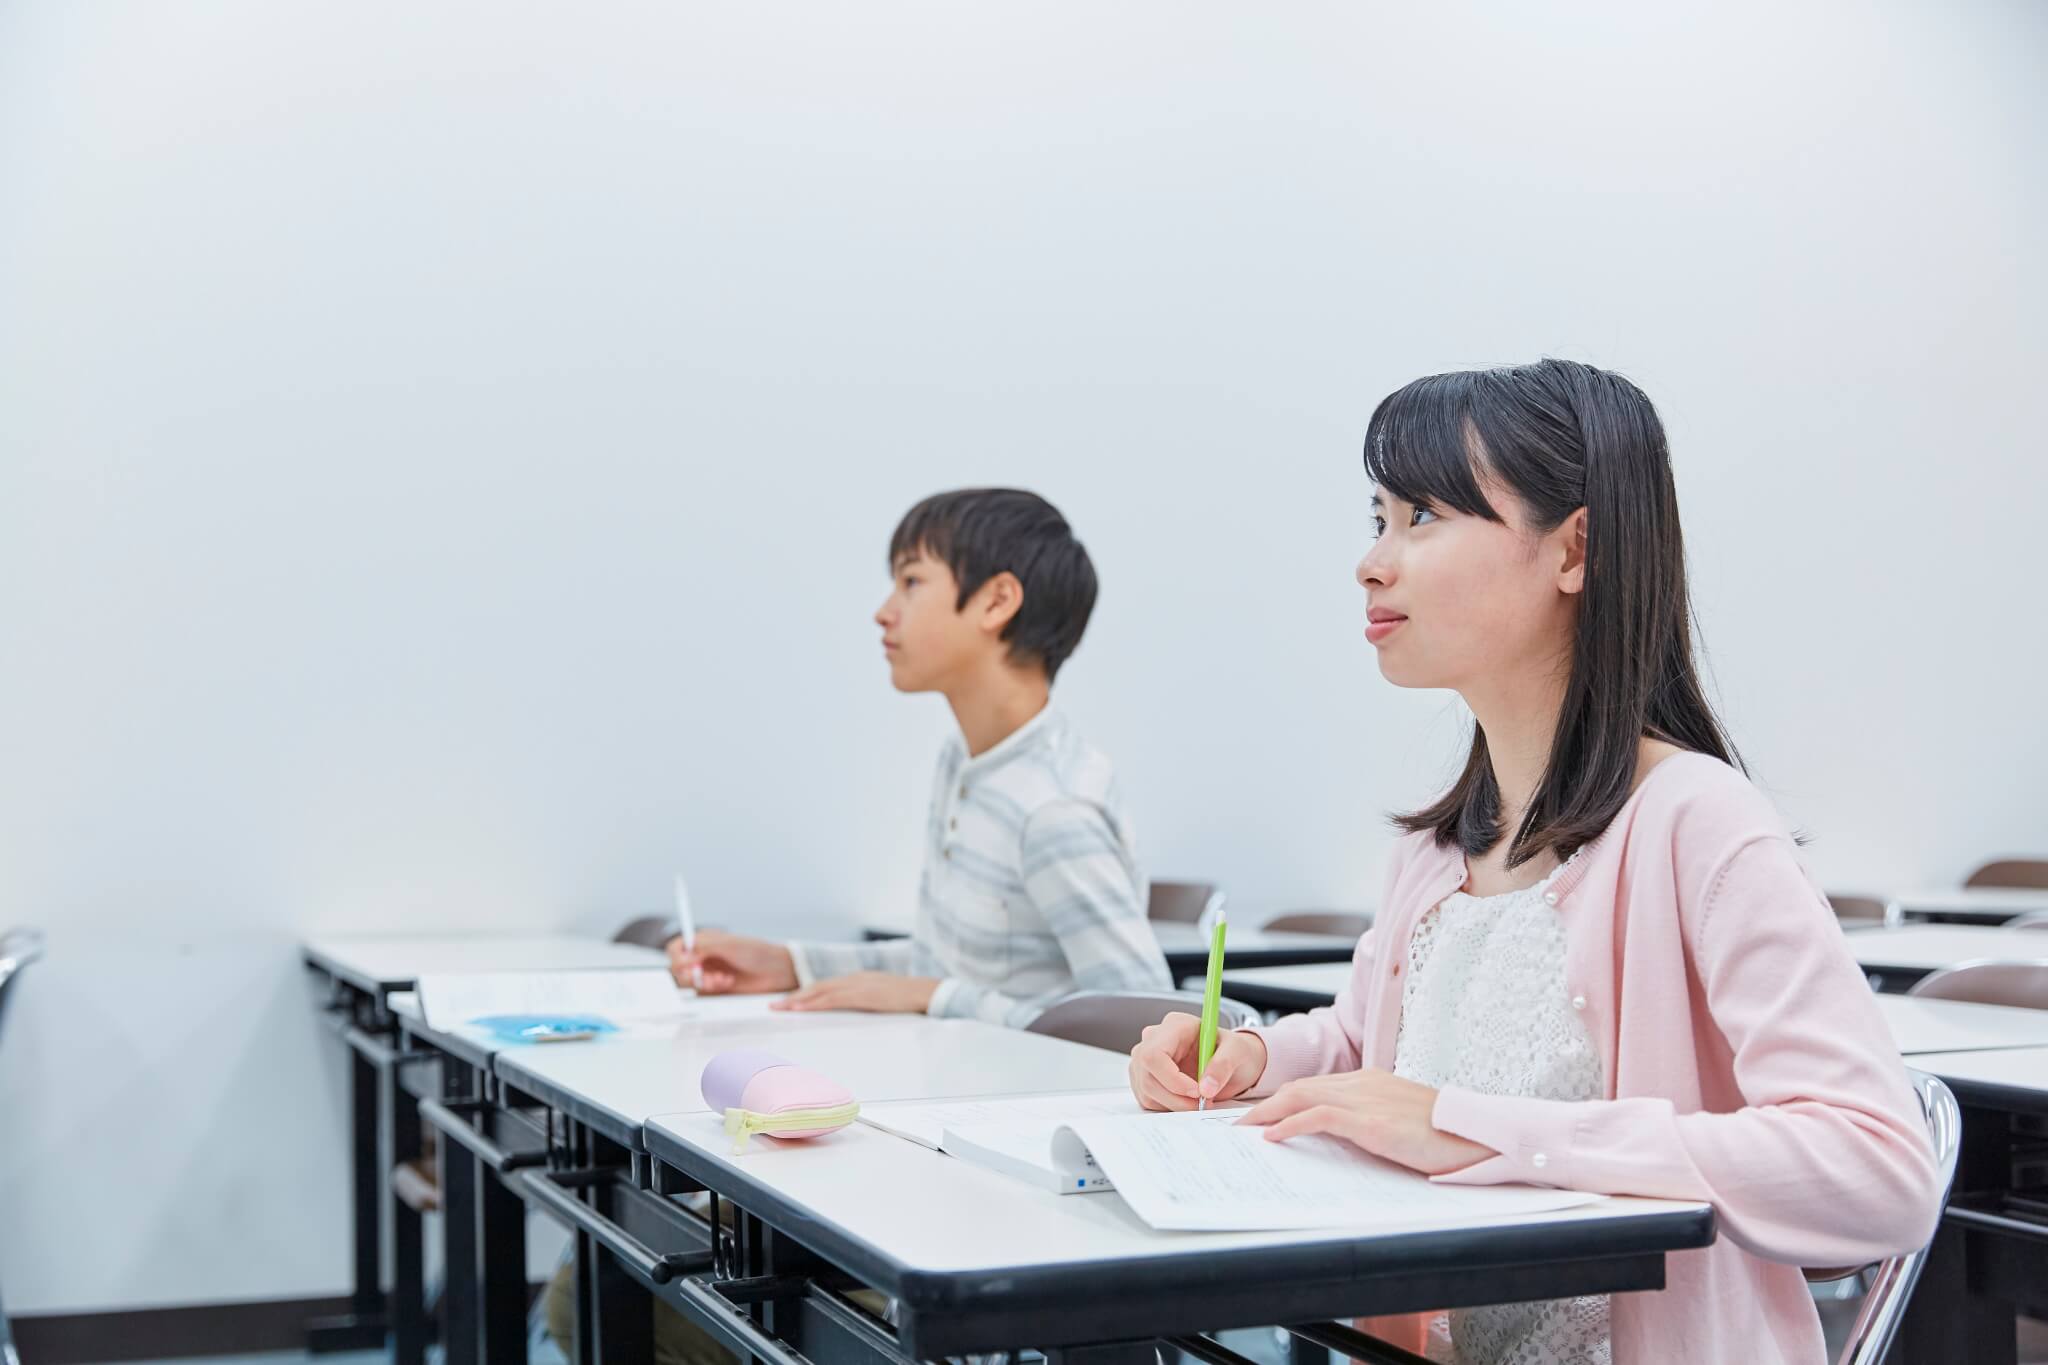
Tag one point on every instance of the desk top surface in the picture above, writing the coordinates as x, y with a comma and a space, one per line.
385, 964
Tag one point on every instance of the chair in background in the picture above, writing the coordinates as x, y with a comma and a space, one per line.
18, 948
1184, 902
1114, 1020
1858, 912
2026, 873
649, 931
2033, 919
1892, 1280
2023, 983
1337, 923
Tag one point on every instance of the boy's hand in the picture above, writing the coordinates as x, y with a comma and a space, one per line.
1387, 1115
876, 992
1163, 1064
726, 963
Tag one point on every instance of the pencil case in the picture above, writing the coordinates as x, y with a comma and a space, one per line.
759, 1092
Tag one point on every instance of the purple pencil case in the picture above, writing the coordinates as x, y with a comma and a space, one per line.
759, 1092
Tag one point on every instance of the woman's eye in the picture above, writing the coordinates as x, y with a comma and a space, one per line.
1415, 517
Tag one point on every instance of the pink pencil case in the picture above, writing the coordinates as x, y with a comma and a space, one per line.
759, 1092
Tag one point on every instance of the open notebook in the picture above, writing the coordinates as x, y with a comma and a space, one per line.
1194, 1172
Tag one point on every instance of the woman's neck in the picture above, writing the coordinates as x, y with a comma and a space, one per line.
1520, 722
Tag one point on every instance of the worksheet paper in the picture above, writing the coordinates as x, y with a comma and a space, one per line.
637, 1000
925, 1121
1201, 1172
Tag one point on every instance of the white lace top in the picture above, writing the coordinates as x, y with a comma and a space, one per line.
1486, 1007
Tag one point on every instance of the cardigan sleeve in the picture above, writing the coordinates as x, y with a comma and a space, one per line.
1827, 1161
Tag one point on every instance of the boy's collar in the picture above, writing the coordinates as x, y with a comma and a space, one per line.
1009, 744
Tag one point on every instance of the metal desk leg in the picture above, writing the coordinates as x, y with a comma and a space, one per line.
502, 1238
461, 1175
364, 1325
408, 1268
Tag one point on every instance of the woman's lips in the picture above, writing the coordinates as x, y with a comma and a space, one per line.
1381, 624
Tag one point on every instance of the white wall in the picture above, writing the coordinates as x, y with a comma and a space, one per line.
447, 453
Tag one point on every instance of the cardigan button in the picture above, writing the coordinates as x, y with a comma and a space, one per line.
1550, 898
1539, 1161
1578, 1002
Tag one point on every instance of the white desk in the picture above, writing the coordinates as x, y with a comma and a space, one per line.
1991, 904
616, 1085
379, 966
891, 1211
2013, 1073
1913, 950
1937, 1026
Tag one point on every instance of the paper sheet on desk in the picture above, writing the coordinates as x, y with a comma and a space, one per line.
640, 1001
1200, 1172
925, 1121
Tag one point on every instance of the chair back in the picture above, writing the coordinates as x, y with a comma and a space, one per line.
649, 931
2033, 919
1858, 912
2024, 984
1339, 923
1114, 1020
2026, 873
18, 948
1185, 902
1884, 1306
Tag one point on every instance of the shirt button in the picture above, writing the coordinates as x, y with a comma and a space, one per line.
1550, 898
953, 823
1578, 1002
947, 855
963, 793
1539, 1161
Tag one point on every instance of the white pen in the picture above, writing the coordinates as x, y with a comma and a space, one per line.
687, 922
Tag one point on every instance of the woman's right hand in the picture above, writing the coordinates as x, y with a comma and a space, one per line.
731, 964
1163, 1064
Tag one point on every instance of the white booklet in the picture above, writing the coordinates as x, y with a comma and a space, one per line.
1203, 1172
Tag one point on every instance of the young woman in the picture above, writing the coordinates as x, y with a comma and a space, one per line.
1597, 962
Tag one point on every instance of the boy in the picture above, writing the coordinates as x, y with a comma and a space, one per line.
1031, 889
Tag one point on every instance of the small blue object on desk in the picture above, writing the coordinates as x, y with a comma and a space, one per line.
543, 1028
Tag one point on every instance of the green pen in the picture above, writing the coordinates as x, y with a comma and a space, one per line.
1212, 998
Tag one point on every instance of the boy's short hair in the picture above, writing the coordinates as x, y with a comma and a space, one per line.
981, 532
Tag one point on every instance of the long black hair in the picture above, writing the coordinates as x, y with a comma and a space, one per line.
1561, 436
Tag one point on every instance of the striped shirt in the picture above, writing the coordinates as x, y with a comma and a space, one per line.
1031, 889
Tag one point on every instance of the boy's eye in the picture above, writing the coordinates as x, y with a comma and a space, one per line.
1379, 527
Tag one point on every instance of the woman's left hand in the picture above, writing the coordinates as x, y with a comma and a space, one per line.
1385, 1114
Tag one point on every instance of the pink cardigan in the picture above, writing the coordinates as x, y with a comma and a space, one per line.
1747, 1065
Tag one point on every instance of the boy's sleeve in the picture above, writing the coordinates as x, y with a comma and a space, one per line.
816, 961
1081, 880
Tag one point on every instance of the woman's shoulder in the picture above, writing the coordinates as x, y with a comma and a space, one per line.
1706, 807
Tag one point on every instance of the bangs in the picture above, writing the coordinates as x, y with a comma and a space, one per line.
1423, 446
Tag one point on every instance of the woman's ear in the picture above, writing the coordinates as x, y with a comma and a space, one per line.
1571, 574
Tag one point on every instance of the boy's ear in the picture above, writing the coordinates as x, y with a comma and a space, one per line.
997, 602
1571, 577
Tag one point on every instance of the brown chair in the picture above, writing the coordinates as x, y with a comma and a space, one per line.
649, 931
2022, 983
2027, 873
1115, 1020
1858, 912
1184, 902
1336, 923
